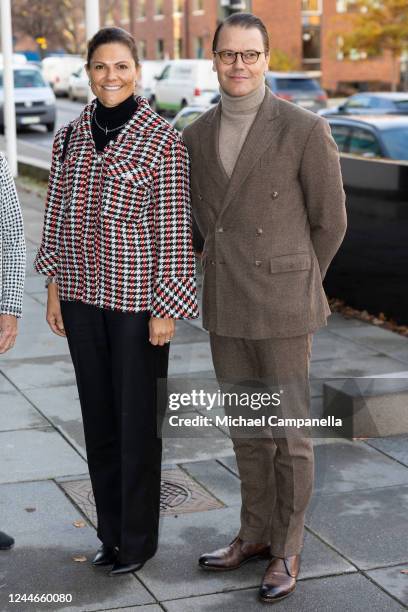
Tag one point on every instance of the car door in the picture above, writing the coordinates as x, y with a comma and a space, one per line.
364, 142
341, 134
162, 88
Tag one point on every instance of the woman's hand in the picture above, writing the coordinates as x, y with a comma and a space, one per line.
8, 332
54, 317
161, 331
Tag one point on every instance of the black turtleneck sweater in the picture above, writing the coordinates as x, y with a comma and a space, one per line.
112, 117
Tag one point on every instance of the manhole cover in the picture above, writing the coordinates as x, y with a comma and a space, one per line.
179, 494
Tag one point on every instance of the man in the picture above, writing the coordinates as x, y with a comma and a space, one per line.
12, 273
268, 200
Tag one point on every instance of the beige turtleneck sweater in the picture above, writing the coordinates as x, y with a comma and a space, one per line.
237, 117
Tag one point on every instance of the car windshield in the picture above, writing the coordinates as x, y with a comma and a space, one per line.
396, 142
25, 78
297, 84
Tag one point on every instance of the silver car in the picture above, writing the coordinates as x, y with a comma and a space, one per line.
299, 88
34, 98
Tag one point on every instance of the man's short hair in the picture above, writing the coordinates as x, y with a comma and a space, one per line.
243, 20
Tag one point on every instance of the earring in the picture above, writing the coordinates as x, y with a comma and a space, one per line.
89, 83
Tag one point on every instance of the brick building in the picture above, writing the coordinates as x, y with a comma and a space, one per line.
304, 30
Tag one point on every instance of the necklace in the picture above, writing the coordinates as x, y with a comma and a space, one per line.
105, 129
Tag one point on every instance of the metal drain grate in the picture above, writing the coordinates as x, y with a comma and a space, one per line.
179, 494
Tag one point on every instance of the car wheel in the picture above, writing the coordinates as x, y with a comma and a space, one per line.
50, 126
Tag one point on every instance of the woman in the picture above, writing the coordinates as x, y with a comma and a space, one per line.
117, 252
12, 273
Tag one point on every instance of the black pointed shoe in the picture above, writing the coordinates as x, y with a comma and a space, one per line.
6, 541
106, 555
125, 568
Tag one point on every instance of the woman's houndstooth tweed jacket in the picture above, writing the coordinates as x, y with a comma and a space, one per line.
13, 250
117, 230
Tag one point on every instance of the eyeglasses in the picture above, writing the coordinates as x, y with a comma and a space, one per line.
230, 57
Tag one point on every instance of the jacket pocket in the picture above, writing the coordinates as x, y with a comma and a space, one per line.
290, 263
126, 193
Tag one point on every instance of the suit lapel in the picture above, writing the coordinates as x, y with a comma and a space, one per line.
209, 147
259, 139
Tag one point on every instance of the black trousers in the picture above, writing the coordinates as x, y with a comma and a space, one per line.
117, 370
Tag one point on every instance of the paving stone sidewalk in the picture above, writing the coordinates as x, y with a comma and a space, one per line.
356, 543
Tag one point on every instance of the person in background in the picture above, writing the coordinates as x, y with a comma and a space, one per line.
12, 274
268, 199
117, 253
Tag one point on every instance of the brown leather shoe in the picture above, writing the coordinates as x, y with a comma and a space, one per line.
234, 555
280, 578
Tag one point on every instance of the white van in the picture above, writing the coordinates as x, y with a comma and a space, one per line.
185, 83
149, 71
57, 69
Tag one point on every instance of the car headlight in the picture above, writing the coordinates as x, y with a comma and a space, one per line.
49, 102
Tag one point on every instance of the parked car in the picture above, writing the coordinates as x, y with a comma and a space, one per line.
185, 83
34, 98
78, 85
371, 103
372, 136
58, 68
150, 70
297, 87
187, 115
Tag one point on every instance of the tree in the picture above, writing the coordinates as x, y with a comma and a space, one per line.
281, 61
57, 21
377, 26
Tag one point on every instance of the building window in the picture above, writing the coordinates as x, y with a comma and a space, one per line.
199, 47
347, 6
178, 48
178, 6
142, 49
312, 6
159, 7
198, 5
142, 9
160, 48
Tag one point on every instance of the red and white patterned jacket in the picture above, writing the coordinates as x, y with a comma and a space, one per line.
117, 228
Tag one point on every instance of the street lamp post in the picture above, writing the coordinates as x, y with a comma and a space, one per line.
8, 86
92, 24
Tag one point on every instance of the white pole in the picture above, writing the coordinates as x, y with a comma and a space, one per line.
92, 25
8, 85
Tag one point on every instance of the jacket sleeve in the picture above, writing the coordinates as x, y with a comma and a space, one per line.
13, 245
46, 261
322, 185
174, 289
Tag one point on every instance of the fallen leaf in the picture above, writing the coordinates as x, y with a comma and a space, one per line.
79, 524
79, 558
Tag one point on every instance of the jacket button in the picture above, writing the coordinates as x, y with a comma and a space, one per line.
220, 230
200, 197
258, 263
212, 262
259, 231
274, 194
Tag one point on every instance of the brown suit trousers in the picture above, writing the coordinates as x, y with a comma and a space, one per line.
276, 470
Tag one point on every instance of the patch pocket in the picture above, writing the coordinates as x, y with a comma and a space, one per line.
294, 262
126, 192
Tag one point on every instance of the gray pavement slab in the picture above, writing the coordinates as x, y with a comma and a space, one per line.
368, 365
348, 466
378, 339
36, 340
174, 571
327, 345
347, 593
218, 480
180, 450
37, 454
393, 446
190, 357
16, 412
46, 543
34, 283
186, 333
392, 580
61, 406
40, 372
367, 526
148, 608
337, 320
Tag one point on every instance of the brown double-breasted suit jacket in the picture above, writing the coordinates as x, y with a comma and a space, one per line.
271, 230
